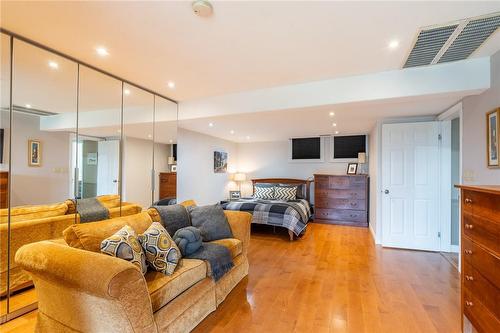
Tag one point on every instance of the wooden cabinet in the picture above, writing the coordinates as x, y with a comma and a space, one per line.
4, 189
481, 256
341, 199
168, 185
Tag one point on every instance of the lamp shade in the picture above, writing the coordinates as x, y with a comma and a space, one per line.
361, 158
170, 160
240, 177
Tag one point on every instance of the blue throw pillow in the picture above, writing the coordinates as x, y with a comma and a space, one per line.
188, 240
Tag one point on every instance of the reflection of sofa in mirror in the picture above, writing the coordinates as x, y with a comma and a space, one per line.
42, 222
68, 278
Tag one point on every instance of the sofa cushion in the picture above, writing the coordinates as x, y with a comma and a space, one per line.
211, 221
125, 245
164, 288
234, 245
88, 236
162, 254
24, 213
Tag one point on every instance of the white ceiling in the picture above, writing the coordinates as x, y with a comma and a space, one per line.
243, 46
352, 118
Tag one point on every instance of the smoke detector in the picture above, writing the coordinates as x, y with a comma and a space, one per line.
202, 8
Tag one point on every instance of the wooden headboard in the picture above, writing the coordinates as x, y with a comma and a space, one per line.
292, 181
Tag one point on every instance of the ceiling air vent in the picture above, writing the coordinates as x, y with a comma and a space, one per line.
452, 42
471, 37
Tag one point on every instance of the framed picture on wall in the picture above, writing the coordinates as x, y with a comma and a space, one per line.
220, 162
492, 138
34, 153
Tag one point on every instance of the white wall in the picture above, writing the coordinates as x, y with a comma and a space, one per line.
271, 160
374, 183
46, 184
474, 155
195, 167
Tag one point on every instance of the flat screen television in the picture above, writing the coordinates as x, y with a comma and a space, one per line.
348, 146
306, 148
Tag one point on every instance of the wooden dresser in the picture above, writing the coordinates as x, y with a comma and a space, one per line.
4, 188
341, 199
481, 257
168, 185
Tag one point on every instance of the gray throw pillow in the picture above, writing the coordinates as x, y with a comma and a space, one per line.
211, 221
188, 240
173, 217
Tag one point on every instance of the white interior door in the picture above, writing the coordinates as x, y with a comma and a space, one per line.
108, 167
410, 185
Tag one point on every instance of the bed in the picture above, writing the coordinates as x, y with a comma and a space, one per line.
292, 214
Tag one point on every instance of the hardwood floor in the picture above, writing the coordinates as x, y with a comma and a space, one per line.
334, 279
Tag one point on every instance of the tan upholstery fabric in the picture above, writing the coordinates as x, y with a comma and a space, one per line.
84, 291
25, 213
164, 288
89, 236
234, 245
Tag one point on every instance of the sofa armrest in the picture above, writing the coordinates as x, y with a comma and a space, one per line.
240, 226
63, 274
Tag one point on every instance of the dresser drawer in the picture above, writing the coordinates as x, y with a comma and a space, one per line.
481, 204
480, 287
348, 194
321, 182
340, 182
341, 215
482, 231
483, 261
478, 314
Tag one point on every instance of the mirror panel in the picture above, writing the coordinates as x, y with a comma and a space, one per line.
4, 165
165, 149
44, 91
138, 116
99, 136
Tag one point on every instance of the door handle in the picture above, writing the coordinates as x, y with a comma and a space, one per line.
386, 191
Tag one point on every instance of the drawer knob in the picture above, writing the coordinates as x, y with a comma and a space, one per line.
468, 251
468, 200
469, 303
469, 226
469, 278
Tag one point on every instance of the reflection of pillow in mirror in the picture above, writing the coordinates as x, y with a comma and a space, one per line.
24, 213
109, 200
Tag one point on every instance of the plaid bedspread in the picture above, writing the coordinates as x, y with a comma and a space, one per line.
293, 214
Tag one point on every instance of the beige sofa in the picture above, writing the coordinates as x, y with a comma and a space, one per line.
81, 290
42, 222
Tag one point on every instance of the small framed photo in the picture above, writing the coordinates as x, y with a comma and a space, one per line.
492, 138
34, 153
352, 168
234, 195
173, 168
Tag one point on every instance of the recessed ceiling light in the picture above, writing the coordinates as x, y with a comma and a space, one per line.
393, 44
28, 106
231, 131
102, 51
126, 92
150, 136
210, 124
336, 132
170, 140
248, 137
53, 64
334, 124
171, 84
332, 114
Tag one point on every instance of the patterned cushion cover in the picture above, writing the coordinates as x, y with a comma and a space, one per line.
125, 245
285, 193
162, 254
264, 191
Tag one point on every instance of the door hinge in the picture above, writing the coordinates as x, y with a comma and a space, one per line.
440, 137
439, 234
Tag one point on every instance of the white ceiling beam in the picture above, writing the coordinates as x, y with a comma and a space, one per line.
471, 76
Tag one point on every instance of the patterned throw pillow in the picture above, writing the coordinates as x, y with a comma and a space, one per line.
285, 193
125, 245
162, 254
264, 191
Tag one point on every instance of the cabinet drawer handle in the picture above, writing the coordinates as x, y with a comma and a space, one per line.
469, 226
469, 303
468, 200
468, 251
469, 278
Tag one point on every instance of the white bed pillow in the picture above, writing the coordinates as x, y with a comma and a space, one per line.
285, 193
